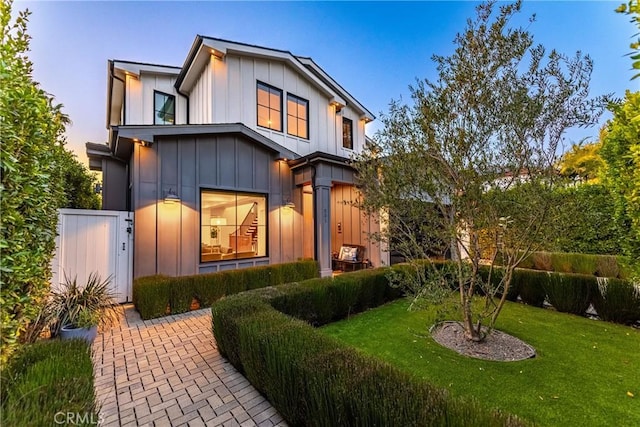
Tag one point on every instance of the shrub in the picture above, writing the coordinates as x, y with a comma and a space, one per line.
617, 301
152, 295
529, 283
608, 266
598, 265
45, 378
542, 261
313, 379
569, 293
182, 294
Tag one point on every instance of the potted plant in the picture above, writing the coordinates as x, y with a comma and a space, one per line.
77, 311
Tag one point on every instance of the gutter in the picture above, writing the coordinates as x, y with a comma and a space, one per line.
187, 64
124, 98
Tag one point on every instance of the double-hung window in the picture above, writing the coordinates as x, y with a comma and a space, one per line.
269, 107
297, 116
347, 133
164, 109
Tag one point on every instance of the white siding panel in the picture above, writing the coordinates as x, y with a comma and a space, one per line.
235, 92
220, 90
248, 92
134, 101
226, 93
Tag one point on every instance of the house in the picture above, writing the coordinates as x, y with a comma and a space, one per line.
240, 157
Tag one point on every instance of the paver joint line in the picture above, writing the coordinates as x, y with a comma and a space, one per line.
168, 371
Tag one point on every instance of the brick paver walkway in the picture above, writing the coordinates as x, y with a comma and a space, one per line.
168, 372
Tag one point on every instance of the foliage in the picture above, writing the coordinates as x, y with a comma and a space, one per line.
314, 380
156, 296
79, 184
583, 163
621, 152
73, 304
578, 360
479, 147
583, 221
617, 301
633, 9
31, 129
530, 285
598, 265
569, 293
46, 378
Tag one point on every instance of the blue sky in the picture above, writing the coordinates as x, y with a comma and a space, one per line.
373, 49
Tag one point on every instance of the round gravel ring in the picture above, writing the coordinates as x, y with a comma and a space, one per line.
496, 345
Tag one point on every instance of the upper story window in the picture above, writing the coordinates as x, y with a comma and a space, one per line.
347, 133
269, 107
297, 116
164, 109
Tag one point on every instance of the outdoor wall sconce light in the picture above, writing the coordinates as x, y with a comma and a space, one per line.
289, 204
171, 197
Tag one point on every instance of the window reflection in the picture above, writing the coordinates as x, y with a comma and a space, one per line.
233, 225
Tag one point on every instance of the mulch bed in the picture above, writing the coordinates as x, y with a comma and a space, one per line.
496, 345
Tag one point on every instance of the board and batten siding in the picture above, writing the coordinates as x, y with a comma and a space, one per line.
167, 236
139, 108
350, 225
225, 92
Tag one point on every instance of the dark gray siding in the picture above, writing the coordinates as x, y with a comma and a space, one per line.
114, 185
167, 236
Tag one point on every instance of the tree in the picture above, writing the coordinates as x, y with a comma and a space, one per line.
79, 184
583, 162
633, 9
33, 166
621, 153
473, 159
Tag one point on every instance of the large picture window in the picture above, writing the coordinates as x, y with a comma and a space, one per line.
297, 116
233, 225
269, 107
164, 109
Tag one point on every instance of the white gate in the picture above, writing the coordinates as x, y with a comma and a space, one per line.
95, 241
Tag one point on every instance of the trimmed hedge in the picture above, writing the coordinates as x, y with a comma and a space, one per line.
157, 296
569, 293
614, 300
617, 301
313, 379
48, 378
593, 265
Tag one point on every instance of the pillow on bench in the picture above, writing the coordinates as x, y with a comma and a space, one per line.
348, 253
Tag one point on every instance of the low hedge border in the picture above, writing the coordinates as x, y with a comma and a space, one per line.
613, 299
593, 265
313, 379
157, 296
45, 381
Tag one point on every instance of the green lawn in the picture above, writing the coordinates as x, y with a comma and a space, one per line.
581, 376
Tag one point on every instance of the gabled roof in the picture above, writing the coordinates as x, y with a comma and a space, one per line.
203, 47
136, 68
